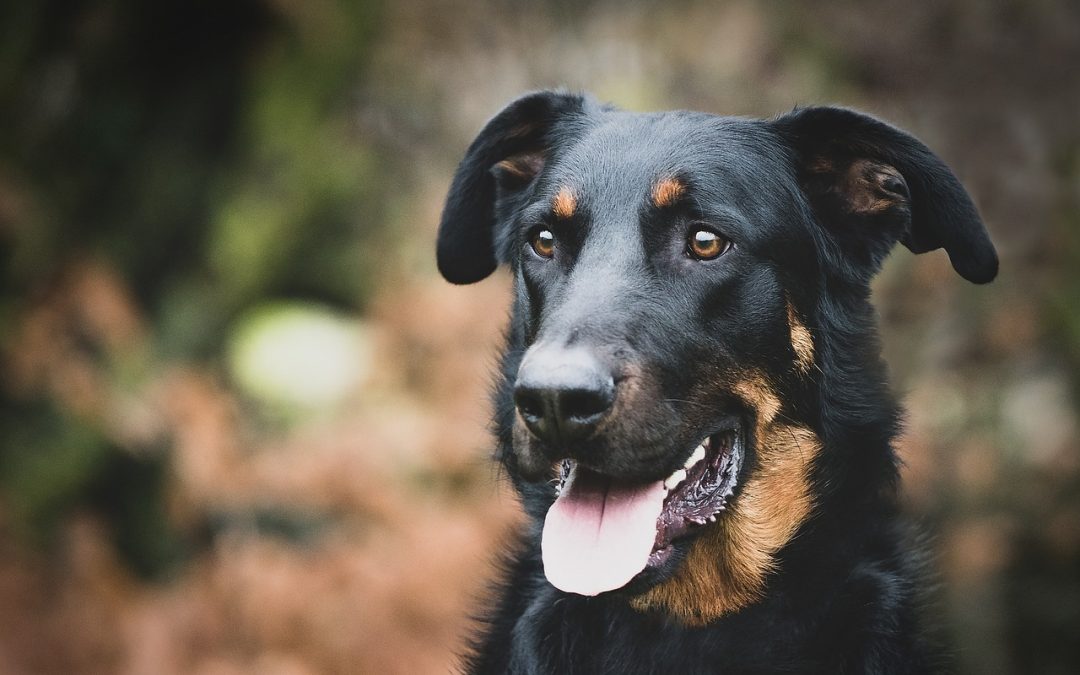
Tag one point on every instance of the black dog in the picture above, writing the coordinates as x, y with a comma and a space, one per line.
692, 404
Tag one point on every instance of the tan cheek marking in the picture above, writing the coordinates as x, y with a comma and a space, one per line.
761, 398
666, 191
726, 568
564, 204
801, 341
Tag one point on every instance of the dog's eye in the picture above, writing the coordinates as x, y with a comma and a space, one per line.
706, 245
543, 243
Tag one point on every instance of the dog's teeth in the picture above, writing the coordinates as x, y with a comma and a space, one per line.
699, 454
672, 481
712, 519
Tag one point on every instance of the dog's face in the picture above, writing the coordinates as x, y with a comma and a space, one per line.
670, 331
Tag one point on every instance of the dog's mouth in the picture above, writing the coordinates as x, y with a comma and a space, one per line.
601, 532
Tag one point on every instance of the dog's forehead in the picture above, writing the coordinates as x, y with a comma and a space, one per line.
627, 158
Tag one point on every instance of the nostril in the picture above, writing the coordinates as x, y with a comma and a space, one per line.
562, 394
529, 402
582, 404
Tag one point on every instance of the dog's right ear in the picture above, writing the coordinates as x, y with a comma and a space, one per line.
873, 185
505, 158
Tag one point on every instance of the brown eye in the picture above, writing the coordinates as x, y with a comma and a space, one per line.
706, 245
543, 243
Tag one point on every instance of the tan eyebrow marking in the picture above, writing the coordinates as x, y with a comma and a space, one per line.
564, 204
666, 191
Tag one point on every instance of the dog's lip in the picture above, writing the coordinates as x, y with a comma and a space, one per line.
732, 425
707, 488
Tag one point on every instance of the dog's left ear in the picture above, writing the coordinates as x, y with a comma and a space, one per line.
504, 159
873, 185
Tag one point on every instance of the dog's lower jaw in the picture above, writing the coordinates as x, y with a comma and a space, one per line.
727, 566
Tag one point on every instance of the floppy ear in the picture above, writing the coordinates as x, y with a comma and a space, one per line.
505, 158
873, 185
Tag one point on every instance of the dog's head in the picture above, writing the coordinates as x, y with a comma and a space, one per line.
690, 319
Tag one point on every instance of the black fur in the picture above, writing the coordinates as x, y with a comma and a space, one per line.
813, 201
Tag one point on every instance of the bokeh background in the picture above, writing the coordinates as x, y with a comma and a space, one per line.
243, 421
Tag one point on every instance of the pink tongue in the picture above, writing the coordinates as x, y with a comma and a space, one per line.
598, 535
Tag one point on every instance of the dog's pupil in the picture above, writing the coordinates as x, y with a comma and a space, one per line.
543, 242
705, 244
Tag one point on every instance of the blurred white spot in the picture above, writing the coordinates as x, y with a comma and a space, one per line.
299, 354
1038, 410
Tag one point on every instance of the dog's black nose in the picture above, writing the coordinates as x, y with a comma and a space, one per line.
562, 393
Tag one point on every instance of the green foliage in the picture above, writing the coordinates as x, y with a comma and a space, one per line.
48, 463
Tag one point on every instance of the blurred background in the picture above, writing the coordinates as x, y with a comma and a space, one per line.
242, 419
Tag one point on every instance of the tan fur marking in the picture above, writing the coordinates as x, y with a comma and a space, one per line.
524, 166
864, 184
801, 341
564, 204
866, 187
526, 129
727, 566
666, 191
757, 394
820, 165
